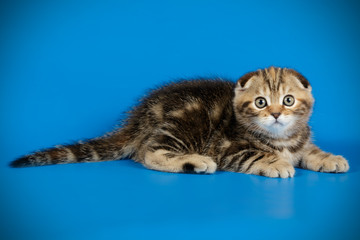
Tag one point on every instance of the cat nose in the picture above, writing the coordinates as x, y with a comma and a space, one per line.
276, 115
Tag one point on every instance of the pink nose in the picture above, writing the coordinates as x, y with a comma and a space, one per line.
276, 115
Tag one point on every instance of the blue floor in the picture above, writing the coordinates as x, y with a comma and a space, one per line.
123, 200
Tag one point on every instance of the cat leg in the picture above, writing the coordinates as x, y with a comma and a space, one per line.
168, 161
317, 160
257, 162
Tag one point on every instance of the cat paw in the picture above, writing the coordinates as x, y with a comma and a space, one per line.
199, 164
277, 169
332, 164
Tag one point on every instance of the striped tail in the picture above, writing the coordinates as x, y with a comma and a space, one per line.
95, 150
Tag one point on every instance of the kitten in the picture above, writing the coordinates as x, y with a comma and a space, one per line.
257, 126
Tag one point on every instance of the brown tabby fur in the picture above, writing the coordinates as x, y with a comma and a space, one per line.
206, 125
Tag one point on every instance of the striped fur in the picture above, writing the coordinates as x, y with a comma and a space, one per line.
206, 125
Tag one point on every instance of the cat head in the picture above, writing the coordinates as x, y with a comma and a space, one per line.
276, 102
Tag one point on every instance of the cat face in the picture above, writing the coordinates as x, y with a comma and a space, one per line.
276, 102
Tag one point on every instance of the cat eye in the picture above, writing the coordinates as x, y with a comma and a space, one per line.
260, 102
289, 100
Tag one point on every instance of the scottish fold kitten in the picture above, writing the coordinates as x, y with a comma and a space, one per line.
258, 125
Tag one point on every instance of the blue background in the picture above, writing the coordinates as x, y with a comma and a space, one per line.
69, 69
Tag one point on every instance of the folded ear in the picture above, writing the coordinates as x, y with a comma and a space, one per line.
245, 81
302, 80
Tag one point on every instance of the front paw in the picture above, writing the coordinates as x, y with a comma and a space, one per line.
276, 169
332, 164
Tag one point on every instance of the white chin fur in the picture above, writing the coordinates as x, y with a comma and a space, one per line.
279, 128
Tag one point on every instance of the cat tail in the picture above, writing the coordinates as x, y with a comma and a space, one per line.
107, 148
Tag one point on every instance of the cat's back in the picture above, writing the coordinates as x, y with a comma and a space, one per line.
189, 106
205, 92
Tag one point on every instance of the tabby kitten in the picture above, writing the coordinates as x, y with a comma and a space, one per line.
257, 126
